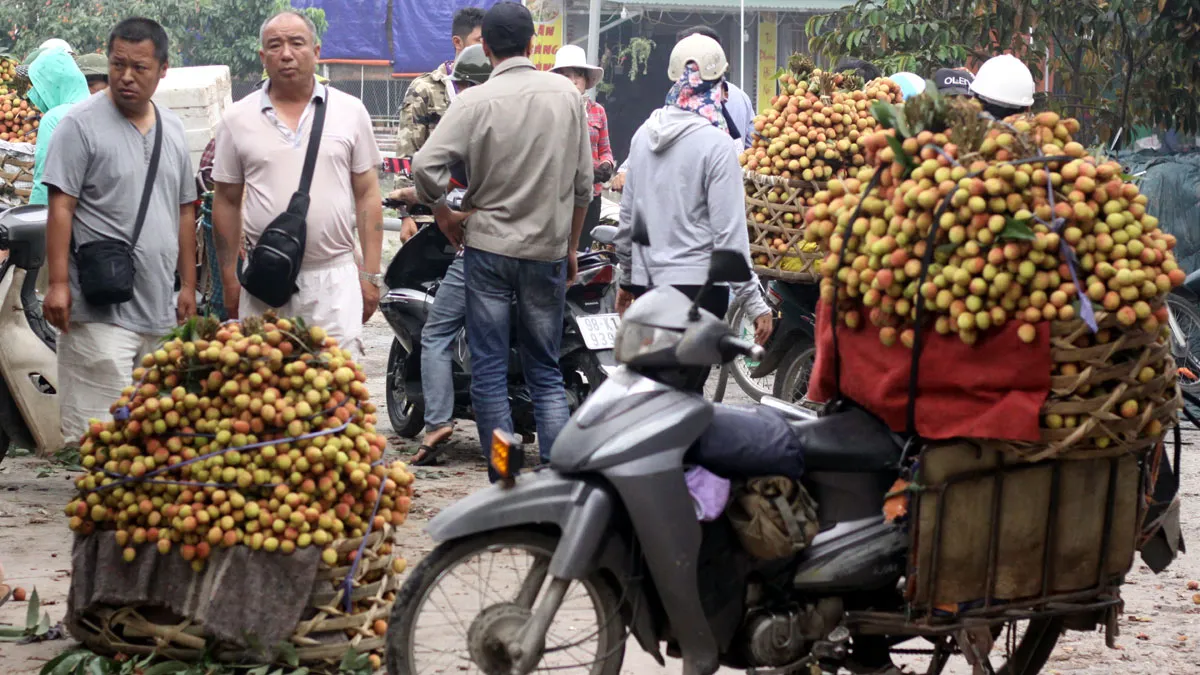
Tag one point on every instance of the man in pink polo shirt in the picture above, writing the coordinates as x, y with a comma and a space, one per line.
260, 149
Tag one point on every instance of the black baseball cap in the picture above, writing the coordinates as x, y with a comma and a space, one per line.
507, 26
954, 82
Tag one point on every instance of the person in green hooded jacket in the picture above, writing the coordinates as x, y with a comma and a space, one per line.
58, 84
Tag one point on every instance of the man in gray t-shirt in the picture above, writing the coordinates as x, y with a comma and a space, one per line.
96, 172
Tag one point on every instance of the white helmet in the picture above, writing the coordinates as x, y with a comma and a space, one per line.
704, 51
1004, 80
58, 43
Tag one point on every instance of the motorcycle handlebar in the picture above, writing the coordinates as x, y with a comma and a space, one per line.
731, 347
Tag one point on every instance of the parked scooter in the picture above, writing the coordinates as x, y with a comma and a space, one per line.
413, 277
606, 542
29, 414
1184, 306
790, 351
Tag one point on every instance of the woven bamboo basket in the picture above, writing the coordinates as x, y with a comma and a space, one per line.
1109, 374
775, 215
16, 173
319, 641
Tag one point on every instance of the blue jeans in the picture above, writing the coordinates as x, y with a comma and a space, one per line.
445, 319
539, 289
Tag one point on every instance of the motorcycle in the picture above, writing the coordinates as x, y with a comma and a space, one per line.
791, 349
611, 525
413, 277
1184, 306
29, 414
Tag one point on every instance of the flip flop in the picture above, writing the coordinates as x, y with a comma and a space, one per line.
431, 454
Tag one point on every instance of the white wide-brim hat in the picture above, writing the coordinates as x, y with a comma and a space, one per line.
572, 56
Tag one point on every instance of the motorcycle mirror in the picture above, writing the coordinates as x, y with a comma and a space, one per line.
728, 266
605, 234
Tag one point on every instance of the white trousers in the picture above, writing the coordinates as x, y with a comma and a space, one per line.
330, 296
95, 362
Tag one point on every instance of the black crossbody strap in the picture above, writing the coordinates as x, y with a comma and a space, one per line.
314, 144
151, 172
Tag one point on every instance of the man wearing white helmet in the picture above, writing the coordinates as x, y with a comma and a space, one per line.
685, 187
1004, 86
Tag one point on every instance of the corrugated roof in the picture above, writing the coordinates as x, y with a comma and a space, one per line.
735, 5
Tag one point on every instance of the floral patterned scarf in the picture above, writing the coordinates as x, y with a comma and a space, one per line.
693, 94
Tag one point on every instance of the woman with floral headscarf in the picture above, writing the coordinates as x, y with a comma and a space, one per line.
685, 185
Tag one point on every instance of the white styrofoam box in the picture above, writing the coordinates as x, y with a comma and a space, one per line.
197, 139
195, 87
198, 118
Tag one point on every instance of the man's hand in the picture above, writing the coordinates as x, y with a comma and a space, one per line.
451, 223
186, 307
604, 172
408, 228
370, 298
618, 182
407, 195
56, 306
572, 267
763, 326
233, 298
624, 300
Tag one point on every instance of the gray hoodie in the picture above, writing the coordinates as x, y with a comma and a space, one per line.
685, 184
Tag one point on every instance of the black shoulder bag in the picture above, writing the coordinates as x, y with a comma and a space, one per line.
106, 267
273, 265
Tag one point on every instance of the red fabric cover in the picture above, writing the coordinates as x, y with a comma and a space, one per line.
994, 389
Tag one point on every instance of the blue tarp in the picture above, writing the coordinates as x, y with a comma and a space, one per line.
421, 32
357, 28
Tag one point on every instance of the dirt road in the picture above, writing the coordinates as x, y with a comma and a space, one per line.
1160, 630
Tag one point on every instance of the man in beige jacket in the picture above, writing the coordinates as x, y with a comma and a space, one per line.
523, 138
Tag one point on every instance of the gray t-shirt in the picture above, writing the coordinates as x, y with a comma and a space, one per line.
97, 156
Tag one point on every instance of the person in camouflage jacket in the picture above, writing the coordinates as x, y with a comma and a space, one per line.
428, 96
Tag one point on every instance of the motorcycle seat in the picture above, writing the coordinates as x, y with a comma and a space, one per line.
1192, 282
850, 441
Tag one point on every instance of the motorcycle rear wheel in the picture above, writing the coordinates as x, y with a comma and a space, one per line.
407, 418
446, 564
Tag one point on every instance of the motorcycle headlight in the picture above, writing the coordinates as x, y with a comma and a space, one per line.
636, 341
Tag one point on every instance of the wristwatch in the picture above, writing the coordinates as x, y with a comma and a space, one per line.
375, 280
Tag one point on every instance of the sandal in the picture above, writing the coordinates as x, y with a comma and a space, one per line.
429, 453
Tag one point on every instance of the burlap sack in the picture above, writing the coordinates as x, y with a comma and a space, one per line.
774, 517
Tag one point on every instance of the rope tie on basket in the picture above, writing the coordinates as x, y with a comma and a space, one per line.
847, 232
347, 584
1056, 225
910, 412
252, 446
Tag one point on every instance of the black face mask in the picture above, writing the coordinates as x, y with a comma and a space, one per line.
1000, 111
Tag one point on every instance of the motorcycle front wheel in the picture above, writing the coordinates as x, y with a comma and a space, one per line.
470, 595
407, 418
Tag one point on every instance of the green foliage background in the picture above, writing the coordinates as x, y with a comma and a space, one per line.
1116, 64
203, 32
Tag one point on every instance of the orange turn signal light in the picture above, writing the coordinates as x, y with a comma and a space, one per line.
507, 457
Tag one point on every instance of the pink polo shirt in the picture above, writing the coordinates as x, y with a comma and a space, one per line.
267, 157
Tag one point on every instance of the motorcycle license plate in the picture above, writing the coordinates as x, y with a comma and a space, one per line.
599, 331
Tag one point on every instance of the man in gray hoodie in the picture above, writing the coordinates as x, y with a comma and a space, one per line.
685, 185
